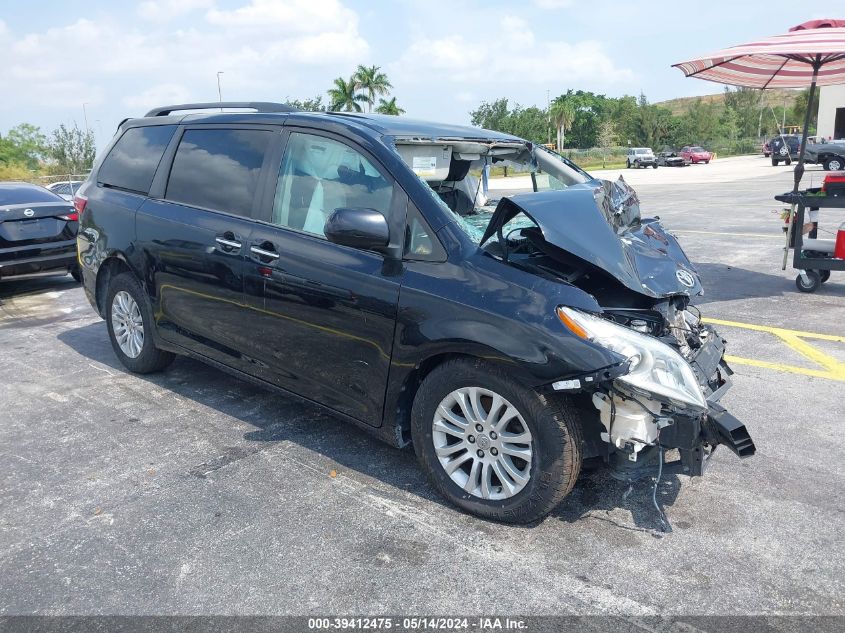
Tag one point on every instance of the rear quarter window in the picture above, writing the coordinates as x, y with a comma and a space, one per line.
132, 162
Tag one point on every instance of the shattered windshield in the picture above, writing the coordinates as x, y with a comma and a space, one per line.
468, 178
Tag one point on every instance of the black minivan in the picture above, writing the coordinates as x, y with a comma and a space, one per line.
510, 328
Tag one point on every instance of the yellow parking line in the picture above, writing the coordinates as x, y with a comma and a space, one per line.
777, 331
833, 369
730, 233
792, 369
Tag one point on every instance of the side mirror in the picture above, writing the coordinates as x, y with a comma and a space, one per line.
360, 228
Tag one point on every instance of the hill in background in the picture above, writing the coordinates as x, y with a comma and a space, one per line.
776, 97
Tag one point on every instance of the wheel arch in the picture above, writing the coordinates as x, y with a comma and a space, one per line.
399, 413
113, 265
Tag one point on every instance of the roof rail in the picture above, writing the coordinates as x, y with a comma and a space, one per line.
258, 106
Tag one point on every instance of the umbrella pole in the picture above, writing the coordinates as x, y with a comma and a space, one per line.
799, 168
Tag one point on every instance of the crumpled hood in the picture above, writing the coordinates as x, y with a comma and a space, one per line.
599, 222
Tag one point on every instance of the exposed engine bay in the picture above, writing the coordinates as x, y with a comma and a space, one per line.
553, 220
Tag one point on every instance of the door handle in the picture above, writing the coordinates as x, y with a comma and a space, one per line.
228, 245
273, 255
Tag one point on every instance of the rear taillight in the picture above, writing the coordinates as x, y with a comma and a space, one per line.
79, 202
70, 217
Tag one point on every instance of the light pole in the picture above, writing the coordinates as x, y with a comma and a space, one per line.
85, 115
219, 91
549, 117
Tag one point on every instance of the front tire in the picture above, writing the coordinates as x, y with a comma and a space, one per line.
522, 462
655, 165
130, 323
774, 162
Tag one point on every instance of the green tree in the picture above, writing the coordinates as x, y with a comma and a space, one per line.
72, 150
531, 123
492, 116
388, 106
623, 112
373, 82
590, 110
23, 144
344, 97
308, 105
563, 114
607, 138
652, 124
700, 123
799, 110
744, 104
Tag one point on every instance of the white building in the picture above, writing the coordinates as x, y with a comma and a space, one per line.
832, 112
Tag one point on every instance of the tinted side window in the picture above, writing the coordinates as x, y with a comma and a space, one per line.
218, 169
319, 175
132, 162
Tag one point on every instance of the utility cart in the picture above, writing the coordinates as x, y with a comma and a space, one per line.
815, 258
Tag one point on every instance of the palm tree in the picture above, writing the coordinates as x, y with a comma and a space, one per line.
389, 107
563, 114
373, 82
343, 96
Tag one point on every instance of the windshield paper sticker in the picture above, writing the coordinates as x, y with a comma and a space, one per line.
425, 165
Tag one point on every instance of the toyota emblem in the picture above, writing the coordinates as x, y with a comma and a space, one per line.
28, 212
685, 278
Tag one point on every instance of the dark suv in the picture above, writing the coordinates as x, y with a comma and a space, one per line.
365, 263
785, 148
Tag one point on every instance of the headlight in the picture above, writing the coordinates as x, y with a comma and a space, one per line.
654, 367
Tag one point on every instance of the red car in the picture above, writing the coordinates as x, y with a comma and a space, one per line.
695, 154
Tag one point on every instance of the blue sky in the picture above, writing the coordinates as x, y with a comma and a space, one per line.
122, 57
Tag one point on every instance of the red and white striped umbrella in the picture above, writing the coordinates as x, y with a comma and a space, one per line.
811, 53
811, 50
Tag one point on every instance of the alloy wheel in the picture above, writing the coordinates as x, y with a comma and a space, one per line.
483, 443
127, 324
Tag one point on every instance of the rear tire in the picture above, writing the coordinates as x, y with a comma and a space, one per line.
655, 165
814, 280
824, 275
551, 422
834, 164
126, 301
774, 162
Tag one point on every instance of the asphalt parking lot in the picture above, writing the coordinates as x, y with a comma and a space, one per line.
189, 492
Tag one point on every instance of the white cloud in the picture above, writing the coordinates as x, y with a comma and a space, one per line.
518, 57
163, 10
160, 94
287, 16
114, 63
553, 4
